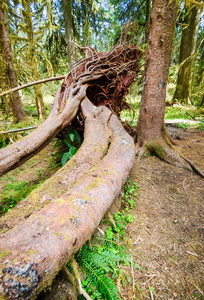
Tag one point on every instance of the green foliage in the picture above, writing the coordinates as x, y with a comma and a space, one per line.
201, 124
182, 125
15, 192
95, 263
181, 112
72, 140
74, 137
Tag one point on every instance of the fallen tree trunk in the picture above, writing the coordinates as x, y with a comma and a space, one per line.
94, 147
16, 154
104, 78
36, 249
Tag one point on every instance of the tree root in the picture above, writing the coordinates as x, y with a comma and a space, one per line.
163, 151
193, 166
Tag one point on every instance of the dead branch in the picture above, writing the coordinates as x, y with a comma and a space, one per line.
18, 129
31, 84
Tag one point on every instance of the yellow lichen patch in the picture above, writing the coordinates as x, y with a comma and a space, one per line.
31, 252
66, 236
92, 185
60, 200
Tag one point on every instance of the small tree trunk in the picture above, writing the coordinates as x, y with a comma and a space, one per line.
150, 133
187, 51
16, 106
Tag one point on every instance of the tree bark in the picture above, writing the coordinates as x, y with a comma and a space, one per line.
150, 128
187, 51
16, 106
35, 250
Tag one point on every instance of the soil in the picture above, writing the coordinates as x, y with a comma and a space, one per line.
167, 235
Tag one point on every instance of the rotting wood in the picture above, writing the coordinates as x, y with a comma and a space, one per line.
35, 250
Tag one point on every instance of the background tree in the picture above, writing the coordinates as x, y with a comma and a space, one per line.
68, 21
28, 29
187, 53
15, 101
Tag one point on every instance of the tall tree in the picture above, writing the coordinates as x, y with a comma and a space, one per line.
29, 31
15, 101
151, 132
187, 51
67, 13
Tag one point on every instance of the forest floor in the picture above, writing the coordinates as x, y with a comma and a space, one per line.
166, 239
167, 234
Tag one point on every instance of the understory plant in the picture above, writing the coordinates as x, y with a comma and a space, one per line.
103, 260
70, 139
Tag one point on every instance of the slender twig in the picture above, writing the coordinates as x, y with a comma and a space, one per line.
151, 294
133, 279
19, 129
101, 231
11, 140
31, 84
82, 291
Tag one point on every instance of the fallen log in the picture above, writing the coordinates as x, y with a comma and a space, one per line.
104, 78
60, 117
36, 249
94, 147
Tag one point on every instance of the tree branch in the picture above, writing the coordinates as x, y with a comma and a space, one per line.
31, 84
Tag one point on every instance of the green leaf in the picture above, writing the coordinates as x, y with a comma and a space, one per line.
71, 136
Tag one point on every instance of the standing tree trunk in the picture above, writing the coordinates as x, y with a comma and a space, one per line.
16, 106
151, 132
67, 13
147, 14
34, 70
187, 51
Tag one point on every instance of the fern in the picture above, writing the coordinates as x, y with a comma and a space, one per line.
100, 264
96, 264
98, 281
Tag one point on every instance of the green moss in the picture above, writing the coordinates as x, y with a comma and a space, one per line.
4, 253
160, 151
